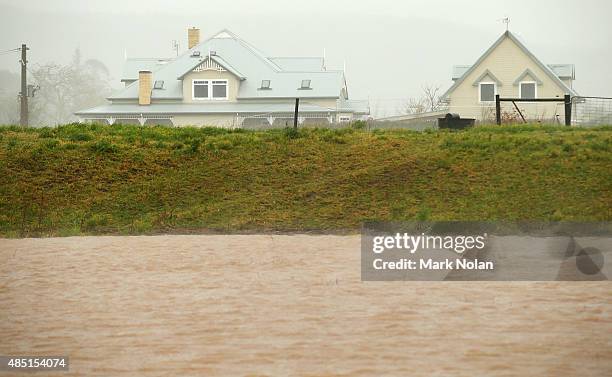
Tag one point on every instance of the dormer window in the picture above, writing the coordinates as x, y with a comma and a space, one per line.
210, 90
265, 84
306, 84
159, 84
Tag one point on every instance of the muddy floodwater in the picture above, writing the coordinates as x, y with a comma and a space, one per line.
280, 306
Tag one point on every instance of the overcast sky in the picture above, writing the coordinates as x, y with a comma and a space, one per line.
391, 48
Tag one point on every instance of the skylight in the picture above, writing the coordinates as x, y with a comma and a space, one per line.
305, 84
159, 84
265, 84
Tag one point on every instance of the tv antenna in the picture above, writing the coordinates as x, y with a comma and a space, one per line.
175, 46
506, 20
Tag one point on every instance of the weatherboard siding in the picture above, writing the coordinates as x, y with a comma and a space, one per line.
507, 62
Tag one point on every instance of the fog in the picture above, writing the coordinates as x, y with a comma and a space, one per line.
391, 48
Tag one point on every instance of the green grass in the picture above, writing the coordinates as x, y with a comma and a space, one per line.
79, 179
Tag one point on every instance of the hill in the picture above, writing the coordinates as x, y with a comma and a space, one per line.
81, 179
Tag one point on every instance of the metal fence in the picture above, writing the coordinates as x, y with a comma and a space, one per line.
591, 111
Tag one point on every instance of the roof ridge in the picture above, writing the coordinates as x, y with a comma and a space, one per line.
295, 57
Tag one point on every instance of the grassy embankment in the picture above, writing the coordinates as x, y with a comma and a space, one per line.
77, 179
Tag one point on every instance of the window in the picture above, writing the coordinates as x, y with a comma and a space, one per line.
344, 118
305, 84
219, 89
265, 84
210, 89
159, 84
487, 91
528, 90
200, 89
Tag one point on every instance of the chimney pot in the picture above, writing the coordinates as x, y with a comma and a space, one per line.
193, 37
144, 87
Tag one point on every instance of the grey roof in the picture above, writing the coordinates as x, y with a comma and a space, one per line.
250, 63
218, 108
459, 71
564, 71
354, 106
300, 64
547, 69
219, 60
133, 65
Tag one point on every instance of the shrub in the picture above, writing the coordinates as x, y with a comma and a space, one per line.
291, 133
359, 125
80, 136
103, 146
194, 145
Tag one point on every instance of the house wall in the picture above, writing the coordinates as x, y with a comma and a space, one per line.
507, 62
232, 90
212, 120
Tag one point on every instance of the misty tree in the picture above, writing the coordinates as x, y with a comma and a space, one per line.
429, 101
9, 101
64, 89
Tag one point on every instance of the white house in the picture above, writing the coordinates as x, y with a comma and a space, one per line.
511, 70
224, 81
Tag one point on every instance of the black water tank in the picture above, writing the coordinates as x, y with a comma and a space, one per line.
455, 122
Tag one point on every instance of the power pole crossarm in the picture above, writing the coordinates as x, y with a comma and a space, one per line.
24, 87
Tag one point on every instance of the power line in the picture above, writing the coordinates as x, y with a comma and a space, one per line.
9, 51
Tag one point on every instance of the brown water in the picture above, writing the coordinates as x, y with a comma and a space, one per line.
283, 305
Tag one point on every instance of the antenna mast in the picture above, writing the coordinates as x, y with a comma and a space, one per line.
506, 20
175, 46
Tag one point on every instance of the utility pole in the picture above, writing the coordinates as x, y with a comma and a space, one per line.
24, 87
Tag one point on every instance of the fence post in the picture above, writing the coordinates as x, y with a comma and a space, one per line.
295, 114
568, 110
497, 110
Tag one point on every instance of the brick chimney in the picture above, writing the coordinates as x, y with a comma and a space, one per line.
193, 37
144, 87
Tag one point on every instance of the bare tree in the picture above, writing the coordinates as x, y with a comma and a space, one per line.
431, 94
429, 100
65, 89
415, 106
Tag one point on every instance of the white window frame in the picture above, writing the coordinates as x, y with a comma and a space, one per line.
212, 87
344, 118
535, 85
193, 84
480, 84
210, 83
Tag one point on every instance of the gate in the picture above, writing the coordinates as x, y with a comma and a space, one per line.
566, 100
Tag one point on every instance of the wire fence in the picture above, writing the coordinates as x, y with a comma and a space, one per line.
591, 111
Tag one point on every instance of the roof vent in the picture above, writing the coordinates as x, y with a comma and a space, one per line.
213, 53
305, 84
265, 84
195, 54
